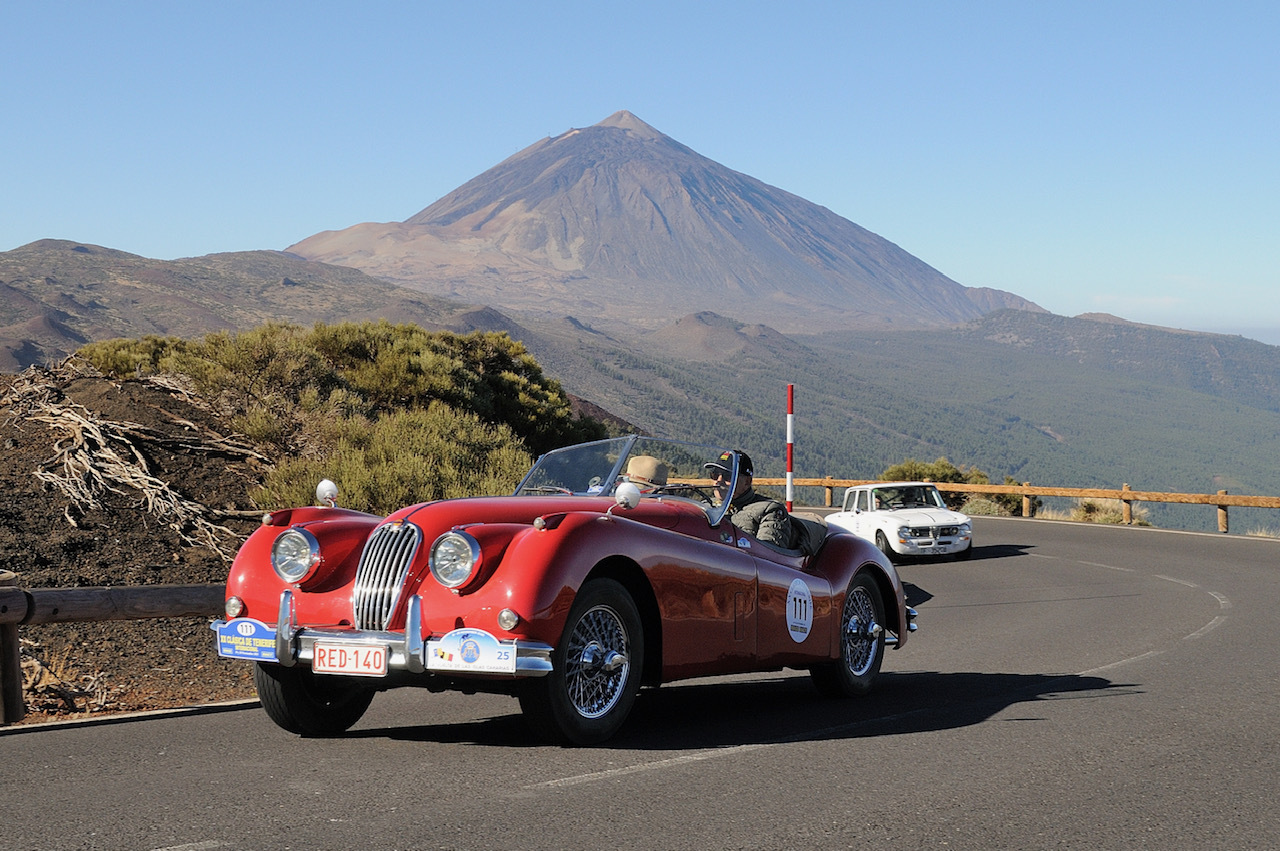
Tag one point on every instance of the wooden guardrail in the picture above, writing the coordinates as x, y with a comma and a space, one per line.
65, 605
1126, 495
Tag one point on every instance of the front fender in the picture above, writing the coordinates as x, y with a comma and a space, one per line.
341, 534
844, 555
543, 568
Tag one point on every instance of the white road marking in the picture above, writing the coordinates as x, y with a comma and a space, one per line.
562, 782
1147, 655
1213, 624
1108, 566
1173, 579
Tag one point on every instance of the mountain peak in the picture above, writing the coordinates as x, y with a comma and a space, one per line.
624, 120
625, 224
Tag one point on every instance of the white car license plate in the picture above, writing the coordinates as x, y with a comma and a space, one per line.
362, 660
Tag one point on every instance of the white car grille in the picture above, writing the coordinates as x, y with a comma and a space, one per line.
934, 531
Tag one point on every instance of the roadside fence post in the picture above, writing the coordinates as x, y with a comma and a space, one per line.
1026, 501
1127, 508
1222, 515
12, 707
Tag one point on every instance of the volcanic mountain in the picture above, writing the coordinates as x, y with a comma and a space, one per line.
618, 222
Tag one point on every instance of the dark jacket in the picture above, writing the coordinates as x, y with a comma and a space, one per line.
763, 517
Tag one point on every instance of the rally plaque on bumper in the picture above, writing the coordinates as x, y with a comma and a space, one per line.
471, 651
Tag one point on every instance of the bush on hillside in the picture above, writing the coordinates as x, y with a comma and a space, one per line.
402, 458
392, 413
1088, 510
942, 470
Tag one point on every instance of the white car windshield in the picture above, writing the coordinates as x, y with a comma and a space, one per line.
659, 468
906, 496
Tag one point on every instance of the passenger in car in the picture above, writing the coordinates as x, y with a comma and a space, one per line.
647, 473
752, 512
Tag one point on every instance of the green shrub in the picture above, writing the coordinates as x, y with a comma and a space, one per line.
392, 413
982, 505
942, 470
125, 358
1107, 511
403, 458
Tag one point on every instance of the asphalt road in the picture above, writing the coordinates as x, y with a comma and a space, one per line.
1070, 687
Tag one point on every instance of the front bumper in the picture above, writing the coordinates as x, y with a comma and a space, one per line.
913, 546
406, 651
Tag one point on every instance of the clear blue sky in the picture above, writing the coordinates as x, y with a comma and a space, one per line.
1121, 157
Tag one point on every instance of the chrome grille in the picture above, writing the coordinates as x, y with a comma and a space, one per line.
934, 531
380, 575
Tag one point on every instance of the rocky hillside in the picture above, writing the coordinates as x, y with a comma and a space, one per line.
119, 483
57, 295
618, 222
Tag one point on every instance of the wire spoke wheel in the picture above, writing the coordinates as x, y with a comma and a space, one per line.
597, 662
861, 632
595, 671
861, 642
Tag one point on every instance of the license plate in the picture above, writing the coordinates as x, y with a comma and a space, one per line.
361, 660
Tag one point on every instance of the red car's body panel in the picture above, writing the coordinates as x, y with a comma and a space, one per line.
723, 608
710, 598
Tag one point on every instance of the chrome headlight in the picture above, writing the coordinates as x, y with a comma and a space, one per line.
966, 529
295, 555
454, 559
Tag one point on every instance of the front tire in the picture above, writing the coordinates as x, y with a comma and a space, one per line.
882, 543
596, 669
309, 704
861, 642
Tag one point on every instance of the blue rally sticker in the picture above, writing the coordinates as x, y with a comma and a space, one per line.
246, 638
471, 650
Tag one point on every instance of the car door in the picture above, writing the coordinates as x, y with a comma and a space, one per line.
706, 593
794, 611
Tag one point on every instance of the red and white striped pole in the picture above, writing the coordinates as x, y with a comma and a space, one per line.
791, 400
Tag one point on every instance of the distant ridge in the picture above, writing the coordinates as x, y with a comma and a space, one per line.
618, 221
56, 295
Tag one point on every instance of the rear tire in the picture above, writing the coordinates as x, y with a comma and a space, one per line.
309, 704
596, 669
861, 642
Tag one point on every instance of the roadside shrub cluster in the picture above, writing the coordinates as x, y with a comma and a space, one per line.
392, 413
1107, 511
942, 470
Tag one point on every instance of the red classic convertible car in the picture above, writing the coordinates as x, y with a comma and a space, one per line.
614, 565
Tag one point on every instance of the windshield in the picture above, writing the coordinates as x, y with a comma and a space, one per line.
659, 468
906, 496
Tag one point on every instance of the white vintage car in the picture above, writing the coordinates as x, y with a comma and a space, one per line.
905, 519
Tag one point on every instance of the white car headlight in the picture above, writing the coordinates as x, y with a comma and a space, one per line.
454, 559
295, 555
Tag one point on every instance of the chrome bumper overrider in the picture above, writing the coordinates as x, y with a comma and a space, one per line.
892, 640
407, 651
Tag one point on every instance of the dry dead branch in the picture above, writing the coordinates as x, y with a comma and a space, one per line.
94, 456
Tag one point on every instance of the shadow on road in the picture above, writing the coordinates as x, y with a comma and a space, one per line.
706, 714
1000, 551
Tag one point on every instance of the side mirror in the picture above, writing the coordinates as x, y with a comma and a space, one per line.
626, 495
326, 493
